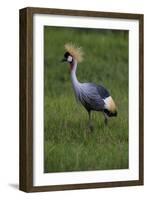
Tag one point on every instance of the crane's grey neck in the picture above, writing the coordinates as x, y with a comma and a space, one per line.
74, 79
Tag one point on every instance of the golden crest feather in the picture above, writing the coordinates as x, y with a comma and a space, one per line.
75, 51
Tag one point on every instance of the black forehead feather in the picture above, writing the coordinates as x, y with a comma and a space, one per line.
66, 54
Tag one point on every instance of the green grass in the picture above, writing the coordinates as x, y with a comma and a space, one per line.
68, 143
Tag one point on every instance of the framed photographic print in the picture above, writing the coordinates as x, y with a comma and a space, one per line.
81, 99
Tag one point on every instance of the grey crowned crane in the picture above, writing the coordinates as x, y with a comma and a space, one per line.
93, 97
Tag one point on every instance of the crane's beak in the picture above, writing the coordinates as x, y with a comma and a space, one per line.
63, 60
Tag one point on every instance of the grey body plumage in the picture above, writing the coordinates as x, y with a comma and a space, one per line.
88, 94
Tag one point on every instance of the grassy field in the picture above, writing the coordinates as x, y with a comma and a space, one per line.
68, 143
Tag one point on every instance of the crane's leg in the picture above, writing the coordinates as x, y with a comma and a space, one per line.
105, 118
90, 122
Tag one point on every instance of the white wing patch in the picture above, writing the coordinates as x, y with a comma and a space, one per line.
109, 104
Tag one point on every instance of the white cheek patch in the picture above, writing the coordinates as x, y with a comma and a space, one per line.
69, 59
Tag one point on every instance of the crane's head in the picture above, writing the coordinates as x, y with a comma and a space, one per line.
72, 53
67, 57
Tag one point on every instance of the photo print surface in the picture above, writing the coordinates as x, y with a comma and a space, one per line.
85, 111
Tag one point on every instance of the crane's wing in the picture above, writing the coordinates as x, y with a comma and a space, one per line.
90, 97
103, 92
